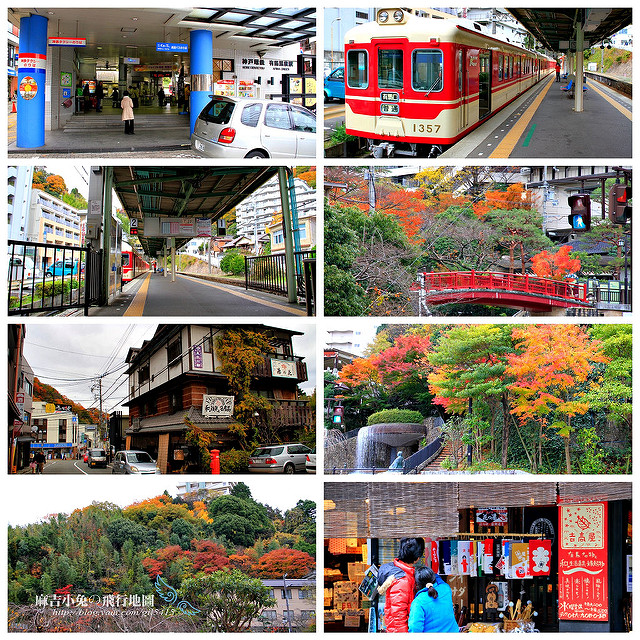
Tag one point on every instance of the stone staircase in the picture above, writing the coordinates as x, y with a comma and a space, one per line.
446, 452
79, 122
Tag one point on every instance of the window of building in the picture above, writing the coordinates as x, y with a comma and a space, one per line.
174, 351
206, 345
288, 594
143, 373
362, 15
278, 238
175, 401
270, 614
62, 430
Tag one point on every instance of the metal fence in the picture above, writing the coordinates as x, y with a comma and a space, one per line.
45, 278
423, 455
268, 273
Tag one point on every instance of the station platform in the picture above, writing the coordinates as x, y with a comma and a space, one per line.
156, 130
156, 295
543, 124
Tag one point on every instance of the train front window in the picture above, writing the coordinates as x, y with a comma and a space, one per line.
357, 69
389, 69
426, 70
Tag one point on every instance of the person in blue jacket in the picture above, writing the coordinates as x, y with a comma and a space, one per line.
432, 606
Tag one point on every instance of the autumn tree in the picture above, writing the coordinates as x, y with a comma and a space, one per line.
55, 185
296, 564
550, 368
556, 266
240, 521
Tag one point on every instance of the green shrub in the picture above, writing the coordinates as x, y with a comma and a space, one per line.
395, 415
234, 461
340, 135
232, 263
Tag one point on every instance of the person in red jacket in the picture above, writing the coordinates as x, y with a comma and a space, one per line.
396, 582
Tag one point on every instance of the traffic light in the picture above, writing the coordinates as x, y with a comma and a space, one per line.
619, 207
338, 412
580, 216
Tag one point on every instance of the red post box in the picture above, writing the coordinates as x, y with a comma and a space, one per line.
215, 461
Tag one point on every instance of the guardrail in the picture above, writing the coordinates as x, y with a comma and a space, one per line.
621, 86
46, 278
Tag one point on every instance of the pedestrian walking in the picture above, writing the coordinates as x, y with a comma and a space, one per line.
133, 92
161, 97
126, 104
39, 459
86, 94
115, 98
99, 97
557, 71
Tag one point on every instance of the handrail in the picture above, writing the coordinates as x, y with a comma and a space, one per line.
441, 281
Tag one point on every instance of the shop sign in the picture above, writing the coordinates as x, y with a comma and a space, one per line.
32, 61
582, 562
28, 88
63, 407
172, 47
491, 517
283, 369
198, 362
166, 67
67, 42
217, 406
132, 60
261, 64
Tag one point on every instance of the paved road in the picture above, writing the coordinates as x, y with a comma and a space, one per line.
333, 117
59, 467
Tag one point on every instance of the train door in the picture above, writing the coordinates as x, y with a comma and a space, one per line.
463, 87
390, 77
484, 84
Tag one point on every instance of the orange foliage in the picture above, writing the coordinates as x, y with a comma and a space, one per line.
515, 197
296, 564
555, 266
241, 562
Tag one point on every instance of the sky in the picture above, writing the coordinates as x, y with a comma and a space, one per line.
63, 494
71, 355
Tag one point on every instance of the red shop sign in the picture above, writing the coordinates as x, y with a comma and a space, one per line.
582, 562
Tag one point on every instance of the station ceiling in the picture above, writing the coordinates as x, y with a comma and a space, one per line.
550, 26
133, 33
188, 192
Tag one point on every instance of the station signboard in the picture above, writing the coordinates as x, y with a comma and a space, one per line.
67, 42
172, 47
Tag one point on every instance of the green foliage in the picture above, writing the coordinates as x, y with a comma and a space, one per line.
340, 135
228, 601
395, 415
122, 530
343, 296
240, 521
234, 461
232, 262
591, 459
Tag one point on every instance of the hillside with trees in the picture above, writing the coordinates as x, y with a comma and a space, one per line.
193, 545
46, 393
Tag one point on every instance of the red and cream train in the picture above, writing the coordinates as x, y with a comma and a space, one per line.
416, 85
133, 264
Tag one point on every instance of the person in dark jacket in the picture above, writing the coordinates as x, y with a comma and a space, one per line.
99, 97
432, 608
396, 583
86, 94
115, 98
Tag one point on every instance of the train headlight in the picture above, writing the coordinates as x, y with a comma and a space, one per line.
383, 16
398, 16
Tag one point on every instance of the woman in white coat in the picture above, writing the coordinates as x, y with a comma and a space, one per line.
126, 105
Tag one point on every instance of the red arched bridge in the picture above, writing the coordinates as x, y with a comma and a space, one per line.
500, 289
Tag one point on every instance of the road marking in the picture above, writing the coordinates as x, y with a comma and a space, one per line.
75, 464
625, 112
527, 140
273, 305
504, 149
137, 306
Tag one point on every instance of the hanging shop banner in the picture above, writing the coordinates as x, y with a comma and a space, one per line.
492, 517
540, 557
487, 557
520, 560
582, 562
435, 561
464, 557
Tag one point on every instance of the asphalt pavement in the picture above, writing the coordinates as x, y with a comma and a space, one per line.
62, 467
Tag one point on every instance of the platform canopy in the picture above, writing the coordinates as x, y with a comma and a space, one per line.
552, 26
183, 192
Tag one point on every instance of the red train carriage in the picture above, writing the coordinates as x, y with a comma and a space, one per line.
416, 85
133, 264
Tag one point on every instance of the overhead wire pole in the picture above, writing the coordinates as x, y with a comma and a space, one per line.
292, 295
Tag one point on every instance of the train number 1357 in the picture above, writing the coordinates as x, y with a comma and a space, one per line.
426, 128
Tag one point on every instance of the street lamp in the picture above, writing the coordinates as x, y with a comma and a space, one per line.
334, 20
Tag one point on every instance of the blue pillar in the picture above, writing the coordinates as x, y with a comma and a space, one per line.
201, 73
32, 61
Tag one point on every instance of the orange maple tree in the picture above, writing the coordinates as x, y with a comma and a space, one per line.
274, 564
550, 368
515, 197
555, 266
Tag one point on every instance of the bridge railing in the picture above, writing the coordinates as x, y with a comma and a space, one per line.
456, 280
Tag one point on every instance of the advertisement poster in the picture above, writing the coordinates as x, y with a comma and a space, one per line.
582, 562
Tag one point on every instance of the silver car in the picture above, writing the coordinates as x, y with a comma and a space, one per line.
252, 128
134, 462
279, 458
97, 458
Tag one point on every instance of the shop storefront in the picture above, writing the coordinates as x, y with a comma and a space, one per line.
518, 556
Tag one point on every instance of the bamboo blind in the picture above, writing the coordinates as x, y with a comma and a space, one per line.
593, 491
505, 494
